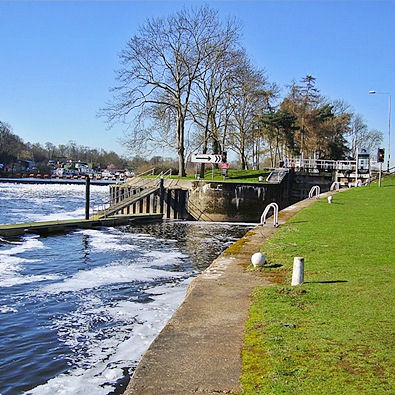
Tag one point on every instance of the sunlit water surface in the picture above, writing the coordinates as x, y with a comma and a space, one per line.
77, 310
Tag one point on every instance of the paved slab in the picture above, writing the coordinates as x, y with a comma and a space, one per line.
199, 350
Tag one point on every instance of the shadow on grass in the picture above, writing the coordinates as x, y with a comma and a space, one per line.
273, 266
326, 282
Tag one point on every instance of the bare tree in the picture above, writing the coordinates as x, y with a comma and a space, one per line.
248, 101
212, 94
362, 137
160, 66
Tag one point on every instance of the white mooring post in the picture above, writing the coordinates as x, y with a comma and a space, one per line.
298, 271
335, 184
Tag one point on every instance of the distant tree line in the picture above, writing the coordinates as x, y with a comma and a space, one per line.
14, 149
186, 83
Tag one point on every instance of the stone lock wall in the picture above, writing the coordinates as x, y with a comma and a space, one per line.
228, 202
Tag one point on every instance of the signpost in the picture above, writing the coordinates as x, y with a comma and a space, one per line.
213, 159
206, 158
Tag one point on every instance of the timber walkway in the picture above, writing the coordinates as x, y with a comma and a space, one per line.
47, 227
126, 202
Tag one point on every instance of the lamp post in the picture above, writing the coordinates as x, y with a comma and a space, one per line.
389, 124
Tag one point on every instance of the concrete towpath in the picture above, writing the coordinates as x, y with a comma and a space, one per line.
199, 350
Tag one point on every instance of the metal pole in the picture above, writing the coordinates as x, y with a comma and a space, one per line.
381, 167
372, 92
161, 195
389, 133
87, 196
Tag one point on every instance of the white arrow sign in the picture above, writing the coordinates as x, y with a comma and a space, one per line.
206, 158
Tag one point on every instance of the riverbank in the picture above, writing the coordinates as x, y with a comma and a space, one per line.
199, 350
55, 181
335, 333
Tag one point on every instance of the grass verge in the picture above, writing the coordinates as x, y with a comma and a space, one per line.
234, 175
334, 334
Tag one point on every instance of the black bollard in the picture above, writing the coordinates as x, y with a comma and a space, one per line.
161, 195
87, 196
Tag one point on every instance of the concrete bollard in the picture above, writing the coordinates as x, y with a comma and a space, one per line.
298, 271
258, 259
330, 198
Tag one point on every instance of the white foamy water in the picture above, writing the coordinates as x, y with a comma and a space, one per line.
110, 240
79, 309
60, 215
11, 264
115, 273
41, 202
104, 361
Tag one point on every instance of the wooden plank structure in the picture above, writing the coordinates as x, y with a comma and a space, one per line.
47, 227
147, 199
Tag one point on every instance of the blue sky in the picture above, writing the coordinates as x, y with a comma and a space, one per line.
58, 57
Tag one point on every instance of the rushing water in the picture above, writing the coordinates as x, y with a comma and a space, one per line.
77, 310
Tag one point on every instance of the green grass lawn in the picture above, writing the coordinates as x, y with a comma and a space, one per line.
234, 175
335, 333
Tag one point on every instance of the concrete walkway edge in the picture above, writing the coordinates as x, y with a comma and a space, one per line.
199, 349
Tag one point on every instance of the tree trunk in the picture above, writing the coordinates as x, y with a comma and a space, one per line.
205, 143
180, 145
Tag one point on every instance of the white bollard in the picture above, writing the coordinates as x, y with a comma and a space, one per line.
258, 259
298, 271
330, 198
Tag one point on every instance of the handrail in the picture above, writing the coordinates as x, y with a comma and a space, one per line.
315, 189
127, 194
274, 206
145, 172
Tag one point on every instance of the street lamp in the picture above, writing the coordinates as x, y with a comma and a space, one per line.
389, 124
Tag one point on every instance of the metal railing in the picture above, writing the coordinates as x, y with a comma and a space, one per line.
315, 189
273, 206
322, 164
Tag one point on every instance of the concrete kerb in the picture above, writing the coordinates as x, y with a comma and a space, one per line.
199, 349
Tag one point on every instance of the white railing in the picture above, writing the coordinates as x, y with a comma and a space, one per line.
322, 164
274, 206
315, 189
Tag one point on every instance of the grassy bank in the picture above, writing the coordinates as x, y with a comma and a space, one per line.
334, 334
234, 175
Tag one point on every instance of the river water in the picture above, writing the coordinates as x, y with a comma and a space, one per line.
77, 310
